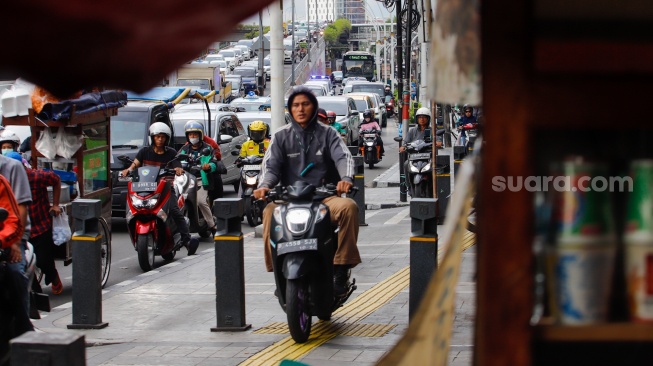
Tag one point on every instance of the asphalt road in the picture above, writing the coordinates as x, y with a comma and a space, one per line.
124, 263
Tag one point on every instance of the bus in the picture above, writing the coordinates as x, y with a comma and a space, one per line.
358, 63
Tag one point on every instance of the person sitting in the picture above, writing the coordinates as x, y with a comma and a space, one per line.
194, 131
310, 151
369, 123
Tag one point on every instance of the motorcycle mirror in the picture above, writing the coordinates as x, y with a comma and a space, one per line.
206, 151
440, 132
398, 139
125, 159
182, 157
235, 152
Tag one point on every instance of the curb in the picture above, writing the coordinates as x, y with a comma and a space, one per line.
382, 206
378, 183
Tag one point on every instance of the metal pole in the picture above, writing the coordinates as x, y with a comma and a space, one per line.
308, 23
400, 89
292, 63
261, 52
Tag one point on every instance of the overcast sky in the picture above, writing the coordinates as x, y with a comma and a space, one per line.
377, 9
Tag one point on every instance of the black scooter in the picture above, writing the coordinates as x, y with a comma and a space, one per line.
249, 174
304, 243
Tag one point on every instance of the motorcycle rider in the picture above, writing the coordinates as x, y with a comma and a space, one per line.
370, 123
194, 131
466, 118
9, 141
423, 116
313, 152
258, 142
159, 154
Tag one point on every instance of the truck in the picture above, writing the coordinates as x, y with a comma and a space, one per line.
205, 76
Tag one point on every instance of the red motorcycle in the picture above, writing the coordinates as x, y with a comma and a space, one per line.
151, 228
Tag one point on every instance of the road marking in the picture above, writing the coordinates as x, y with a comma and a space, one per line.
398, 217
369, 214
125, 283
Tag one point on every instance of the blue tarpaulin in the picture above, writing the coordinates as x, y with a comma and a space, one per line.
165, 94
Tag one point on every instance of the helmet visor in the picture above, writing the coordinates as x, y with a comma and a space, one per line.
257, 135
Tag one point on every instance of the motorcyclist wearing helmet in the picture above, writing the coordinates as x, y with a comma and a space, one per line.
466, 118
194, 131
370, 123
387, 91
9, 141
423, 116
258, 142
159, 154
331, 121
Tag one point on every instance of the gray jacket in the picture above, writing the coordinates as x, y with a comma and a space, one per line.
414, 134
324, 157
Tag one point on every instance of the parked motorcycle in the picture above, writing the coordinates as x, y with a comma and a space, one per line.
151, 229
9, 302
249, 175
304, 244
187, 185
369, 147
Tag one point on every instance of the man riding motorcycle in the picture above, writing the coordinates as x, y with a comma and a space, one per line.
159, 154
370, 123
313, 152
194, 131
257, 143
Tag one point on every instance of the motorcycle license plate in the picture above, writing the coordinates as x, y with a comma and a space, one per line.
369, 135
251, 167
419, 156
296, 246
143, 186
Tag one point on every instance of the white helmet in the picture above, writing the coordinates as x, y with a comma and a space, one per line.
9, 136
423, 112
157, 128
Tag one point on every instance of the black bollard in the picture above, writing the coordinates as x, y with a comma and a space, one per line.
51, 349
87, 265
229, 266
359, 182
423, 249
443, 184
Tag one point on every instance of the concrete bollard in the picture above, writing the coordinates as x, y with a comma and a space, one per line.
443, 184
229, 266
87, 267
359, 182
470, 145
49, 349
423, 249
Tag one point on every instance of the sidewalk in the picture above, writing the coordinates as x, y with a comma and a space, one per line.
164, 317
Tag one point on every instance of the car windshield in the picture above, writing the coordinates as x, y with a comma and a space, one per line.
247, 72
340, 107
199, 83
128, 128
266, 62
249, 106
235, 84
368, 88
319, 92
361, 105
245, 120
227, 53
337, 74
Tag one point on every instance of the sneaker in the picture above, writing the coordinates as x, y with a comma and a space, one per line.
57, 286
340, 279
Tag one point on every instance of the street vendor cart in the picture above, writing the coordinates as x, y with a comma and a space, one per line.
85, 172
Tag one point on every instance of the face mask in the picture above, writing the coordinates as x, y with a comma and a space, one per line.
194, 140
6, 151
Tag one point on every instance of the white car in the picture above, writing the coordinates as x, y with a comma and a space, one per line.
224, 65
245, 50
239, 55
230, 57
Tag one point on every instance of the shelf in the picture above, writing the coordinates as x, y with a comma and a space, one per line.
609, 332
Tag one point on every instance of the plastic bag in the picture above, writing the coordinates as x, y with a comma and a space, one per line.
67, 143
46, 144
61, 232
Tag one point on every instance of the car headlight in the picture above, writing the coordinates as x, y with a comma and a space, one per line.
149, 202
297, 220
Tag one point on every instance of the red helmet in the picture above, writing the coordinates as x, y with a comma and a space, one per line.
331, 114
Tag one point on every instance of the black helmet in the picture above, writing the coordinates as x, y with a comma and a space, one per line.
468, 107
368, 114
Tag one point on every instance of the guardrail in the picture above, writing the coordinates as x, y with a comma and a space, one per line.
304, 69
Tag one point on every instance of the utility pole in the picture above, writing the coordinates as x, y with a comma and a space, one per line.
292, 63
261, 53
403, 187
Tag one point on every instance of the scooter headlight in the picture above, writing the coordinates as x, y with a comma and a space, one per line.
321, 213
414, 169
297, 220
251, 180
426, 168
149, 202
